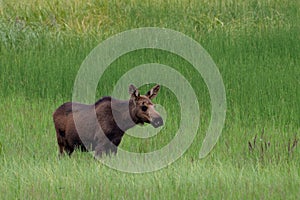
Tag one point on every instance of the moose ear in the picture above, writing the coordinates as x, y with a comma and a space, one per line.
151, 94
133, 91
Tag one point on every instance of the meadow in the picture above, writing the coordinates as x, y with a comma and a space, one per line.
254, 43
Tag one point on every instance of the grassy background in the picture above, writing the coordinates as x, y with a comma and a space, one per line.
255, 44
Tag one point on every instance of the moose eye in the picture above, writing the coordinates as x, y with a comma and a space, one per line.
144, 108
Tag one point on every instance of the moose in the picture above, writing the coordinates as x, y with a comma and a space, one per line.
100, 126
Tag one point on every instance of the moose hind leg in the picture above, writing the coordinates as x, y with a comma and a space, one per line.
61, 151
61, 143
69, 150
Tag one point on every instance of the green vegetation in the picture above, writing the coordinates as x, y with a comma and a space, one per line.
255, 44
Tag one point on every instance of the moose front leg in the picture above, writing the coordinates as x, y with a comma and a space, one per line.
107, 145
103, 147
112, 149
115, 143
100, 143
99, 150
108, 149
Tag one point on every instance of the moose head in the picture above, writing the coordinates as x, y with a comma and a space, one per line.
142, 110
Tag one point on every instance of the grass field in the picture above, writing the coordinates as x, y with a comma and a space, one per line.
256, 46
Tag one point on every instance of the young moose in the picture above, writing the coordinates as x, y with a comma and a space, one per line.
100, 127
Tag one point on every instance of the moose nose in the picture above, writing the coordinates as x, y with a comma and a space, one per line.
157, 122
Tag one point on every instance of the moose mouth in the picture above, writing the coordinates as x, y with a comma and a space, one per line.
157, 122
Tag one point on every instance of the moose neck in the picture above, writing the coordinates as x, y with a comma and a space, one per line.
122, 114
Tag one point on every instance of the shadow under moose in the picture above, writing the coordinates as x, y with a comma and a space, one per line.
100, 126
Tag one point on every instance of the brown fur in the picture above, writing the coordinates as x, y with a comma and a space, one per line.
77, 125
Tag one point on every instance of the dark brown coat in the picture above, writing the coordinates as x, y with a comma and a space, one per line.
101, 126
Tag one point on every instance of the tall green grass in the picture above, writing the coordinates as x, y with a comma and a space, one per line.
255, 44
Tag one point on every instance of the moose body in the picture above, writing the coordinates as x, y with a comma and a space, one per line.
100, 127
